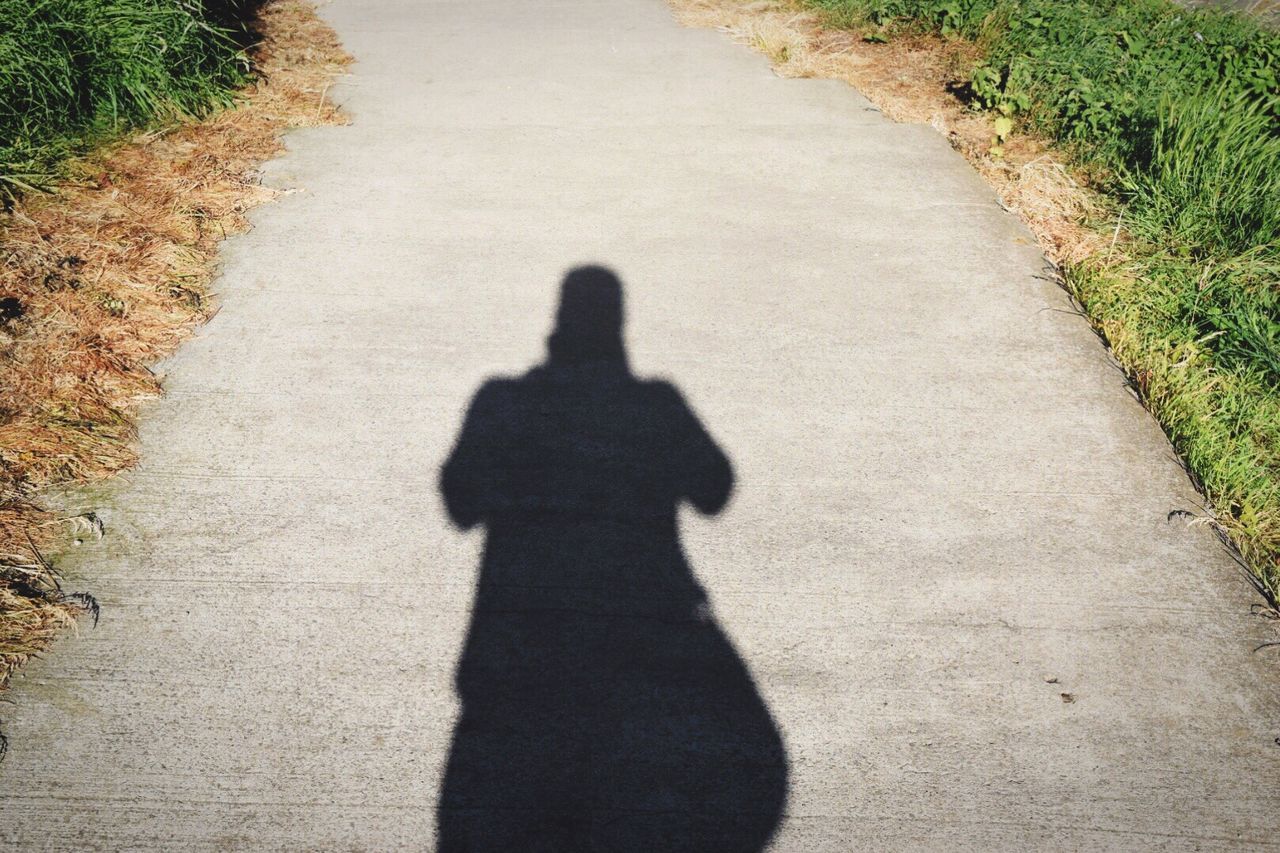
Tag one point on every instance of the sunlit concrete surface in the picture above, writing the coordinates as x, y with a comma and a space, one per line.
943, 580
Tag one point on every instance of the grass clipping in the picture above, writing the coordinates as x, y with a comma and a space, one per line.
110, 274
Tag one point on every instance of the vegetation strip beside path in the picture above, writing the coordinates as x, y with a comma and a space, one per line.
1138, 141
110, 272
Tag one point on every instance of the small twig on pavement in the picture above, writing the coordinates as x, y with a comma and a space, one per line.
320, 106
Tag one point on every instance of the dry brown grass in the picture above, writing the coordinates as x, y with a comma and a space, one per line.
110, 274
909, 80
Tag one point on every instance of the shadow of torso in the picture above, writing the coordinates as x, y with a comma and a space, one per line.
602, 706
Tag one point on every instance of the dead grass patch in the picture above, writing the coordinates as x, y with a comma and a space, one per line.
112, 273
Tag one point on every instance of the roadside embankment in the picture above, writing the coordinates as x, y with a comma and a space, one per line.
168, 114
1139, 142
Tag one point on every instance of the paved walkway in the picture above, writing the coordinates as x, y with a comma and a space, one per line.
857, 542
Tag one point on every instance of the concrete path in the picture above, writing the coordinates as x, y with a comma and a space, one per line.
941, 609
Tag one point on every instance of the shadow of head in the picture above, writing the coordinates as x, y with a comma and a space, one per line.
589, 319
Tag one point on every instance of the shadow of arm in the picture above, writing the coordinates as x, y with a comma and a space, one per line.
467, 473
704, 470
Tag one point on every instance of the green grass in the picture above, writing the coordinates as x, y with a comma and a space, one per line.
1176, 114
76, 72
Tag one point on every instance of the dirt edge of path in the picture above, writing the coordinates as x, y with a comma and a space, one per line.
110, 274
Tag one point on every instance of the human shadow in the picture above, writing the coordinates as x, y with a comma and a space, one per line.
602, 707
